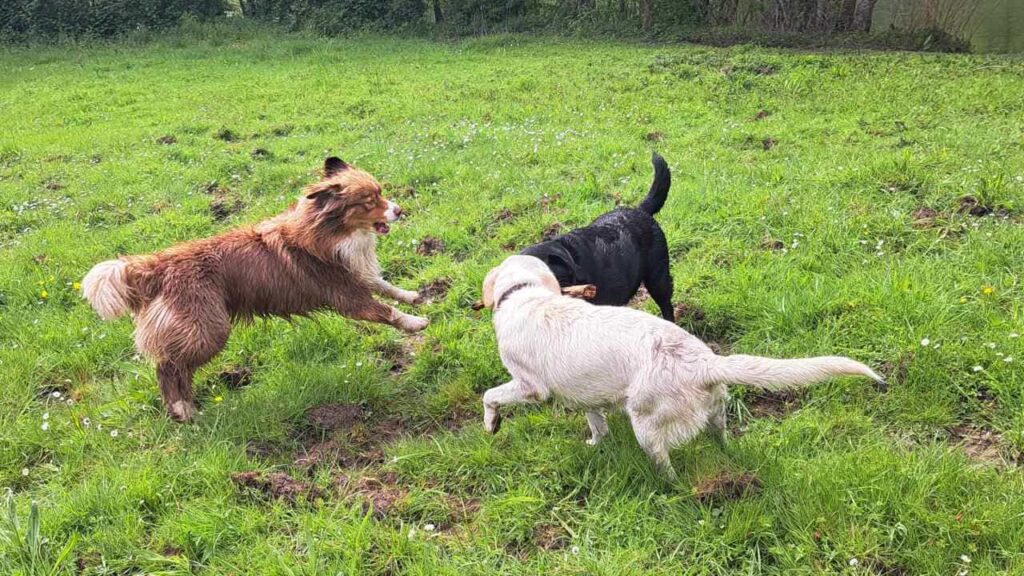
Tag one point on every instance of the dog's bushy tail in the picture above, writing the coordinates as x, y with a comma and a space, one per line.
773, 374
659, 188
106, 288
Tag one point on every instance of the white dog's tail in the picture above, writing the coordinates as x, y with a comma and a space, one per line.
106, 288
772, 374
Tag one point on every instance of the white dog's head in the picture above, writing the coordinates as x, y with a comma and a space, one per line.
516, 270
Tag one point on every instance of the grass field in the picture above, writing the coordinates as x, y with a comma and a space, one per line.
869, 204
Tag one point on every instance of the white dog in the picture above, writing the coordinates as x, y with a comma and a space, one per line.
670, 383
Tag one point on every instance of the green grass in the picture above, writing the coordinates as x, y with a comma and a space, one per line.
481, 130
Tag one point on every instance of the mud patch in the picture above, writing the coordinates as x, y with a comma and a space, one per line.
983, 445
727, 487
972, 206
276, 486
167, 140
261, 154
401, 353
641, 296
655, 136
224, 202
768, 143
335, 416
261, 449
923, 217
53, 185
774, 244
775, 405
380, 495
551, 232
235, 377
691, 312
761, 115
227, 135
504, 215
430, 246
550, 537
436, 289
282, 130
895, 372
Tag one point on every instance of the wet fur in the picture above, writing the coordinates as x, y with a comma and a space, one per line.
618, 251
317, 255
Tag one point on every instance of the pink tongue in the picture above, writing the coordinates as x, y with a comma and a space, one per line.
381, 228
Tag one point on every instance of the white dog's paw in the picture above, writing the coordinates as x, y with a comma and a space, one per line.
410, 297
412, 323
594, 441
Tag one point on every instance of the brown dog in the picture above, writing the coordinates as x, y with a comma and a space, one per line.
317, 255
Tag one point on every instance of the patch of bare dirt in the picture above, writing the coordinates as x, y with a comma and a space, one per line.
430, 246
227, 135
260, 449
727, 487
655, 136
895, 372
224, 202
260, 154
776, 405
380, 495
335, 416
276, 486
769, 243
769, 143
691, 312
54, 185
983, 445
762, 114
882, 568
504, 215
167, 140
235, 377
551, 231
923, 217
436, 289
641, 296
550, 537
972, 206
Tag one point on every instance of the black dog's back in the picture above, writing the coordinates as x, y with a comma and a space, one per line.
618, 251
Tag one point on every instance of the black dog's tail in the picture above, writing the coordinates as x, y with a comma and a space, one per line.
659, 188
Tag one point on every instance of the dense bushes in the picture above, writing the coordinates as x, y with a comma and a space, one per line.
333, 16
49, 19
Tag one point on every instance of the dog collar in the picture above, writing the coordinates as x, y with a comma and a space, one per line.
509, 292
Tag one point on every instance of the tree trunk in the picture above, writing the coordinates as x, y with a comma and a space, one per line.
646, 17
438, 15
862, 15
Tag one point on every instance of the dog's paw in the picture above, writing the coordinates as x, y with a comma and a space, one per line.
413, 323
181, 411
410, 297
594, 441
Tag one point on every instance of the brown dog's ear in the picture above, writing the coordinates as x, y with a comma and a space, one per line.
334, 165
488, 291
320, 190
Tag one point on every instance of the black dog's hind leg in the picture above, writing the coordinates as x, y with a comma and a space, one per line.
658, 276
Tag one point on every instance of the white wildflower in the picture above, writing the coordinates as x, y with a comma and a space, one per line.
45, 426
925, 342
965, 558
854, 562
1008, 359
429, 527
113, 433
24, 471
977, 368
575, 550
46, 415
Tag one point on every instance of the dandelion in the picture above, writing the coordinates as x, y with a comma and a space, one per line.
963, 300
76, 286
925, 342
218, 399
988, 290
977, 368
44, 294
113, 433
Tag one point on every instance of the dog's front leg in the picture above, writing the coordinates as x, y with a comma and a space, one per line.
366, 308
382, 286
513, 392
598, 427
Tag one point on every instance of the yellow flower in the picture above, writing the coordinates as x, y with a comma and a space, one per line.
963, 300
44, 294
76, 286
988, 290
218, 398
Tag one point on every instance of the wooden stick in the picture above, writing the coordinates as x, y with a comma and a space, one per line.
584, 291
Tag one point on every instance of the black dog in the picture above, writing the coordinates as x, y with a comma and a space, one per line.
618, 251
